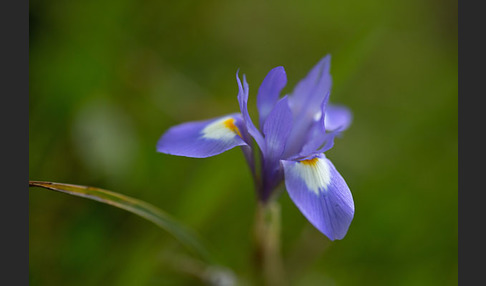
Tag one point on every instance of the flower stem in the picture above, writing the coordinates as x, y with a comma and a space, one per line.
269, 264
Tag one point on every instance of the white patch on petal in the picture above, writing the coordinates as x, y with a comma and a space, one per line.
328, 123
222, 129
315, 173
318, 115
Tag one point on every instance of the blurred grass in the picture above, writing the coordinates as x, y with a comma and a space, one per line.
107, 78
143, 209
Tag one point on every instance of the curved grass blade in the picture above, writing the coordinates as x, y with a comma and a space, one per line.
138, 207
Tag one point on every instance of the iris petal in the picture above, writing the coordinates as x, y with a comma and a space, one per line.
316, 134
276, 129
269, 92
243, 91
306, 102
321, 194
309, 93
200, 139
337, 117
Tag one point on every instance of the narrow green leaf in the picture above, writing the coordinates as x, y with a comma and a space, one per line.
138, 207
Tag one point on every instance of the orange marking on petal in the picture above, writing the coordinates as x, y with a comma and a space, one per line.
230, 124
310, 162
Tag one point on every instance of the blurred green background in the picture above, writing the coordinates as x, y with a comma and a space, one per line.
107, 78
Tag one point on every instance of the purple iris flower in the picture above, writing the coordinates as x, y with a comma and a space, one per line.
294, 132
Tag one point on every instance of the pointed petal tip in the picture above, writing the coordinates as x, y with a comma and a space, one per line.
325, 63
280, 69
327, 58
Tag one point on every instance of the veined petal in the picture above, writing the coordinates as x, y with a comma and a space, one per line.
328, 142
321, 194
277, 128
309, 93
269, 92
200, 139
316, 134
243, 102
306, 101
337, 117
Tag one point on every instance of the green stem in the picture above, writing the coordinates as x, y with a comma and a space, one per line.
269, 264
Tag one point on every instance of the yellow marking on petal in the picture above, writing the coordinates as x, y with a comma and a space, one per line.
230, 124
315, 173
223, 129
310, 162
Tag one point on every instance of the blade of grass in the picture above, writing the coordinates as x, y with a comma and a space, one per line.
145, 210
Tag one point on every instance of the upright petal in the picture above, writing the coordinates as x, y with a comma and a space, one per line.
276, 129
202, 139
306, 101
321, 194
269, 92
309, 93
337, 117
316, 134
243, 102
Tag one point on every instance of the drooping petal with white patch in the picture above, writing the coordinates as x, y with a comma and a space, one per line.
321, 194
200, 139
243, 91
269, 92
337, 117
